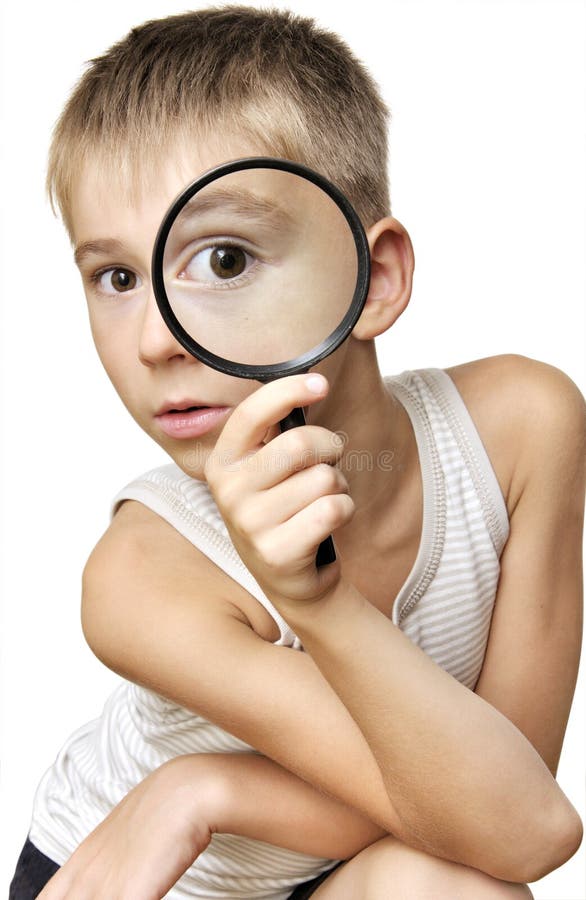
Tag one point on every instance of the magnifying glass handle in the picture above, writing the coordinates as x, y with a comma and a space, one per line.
325, 552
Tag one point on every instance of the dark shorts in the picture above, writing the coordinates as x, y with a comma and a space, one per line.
34, 869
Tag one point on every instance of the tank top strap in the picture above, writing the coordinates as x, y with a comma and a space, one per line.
442, 401
188, 505
446, 603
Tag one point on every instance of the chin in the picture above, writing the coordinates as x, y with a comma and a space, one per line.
190, 456
190, 460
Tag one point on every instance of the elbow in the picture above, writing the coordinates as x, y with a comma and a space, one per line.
98, 621
89, 618
561, 838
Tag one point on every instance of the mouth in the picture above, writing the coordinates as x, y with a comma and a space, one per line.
184, 409
181, 406
186, 419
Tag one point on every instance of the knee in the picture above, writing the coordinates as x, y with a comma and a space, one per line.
403, 872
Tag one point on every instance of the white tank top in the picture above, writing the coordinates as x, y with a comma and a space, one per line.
444, 607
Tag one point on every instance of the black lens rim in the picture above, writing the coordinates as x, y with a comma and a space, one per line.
305, 361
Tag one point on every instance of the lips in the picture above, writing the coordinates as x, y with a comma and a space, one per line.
180, 406
189, 419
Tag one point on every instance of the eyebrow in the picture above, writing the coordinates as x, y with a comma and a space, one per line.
236, 200
106, 247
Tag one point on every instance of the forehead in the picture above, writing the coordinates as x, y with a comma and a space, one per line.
126, 204
111, 197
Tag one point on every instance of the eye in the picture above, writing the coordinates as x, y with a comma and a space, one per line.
222, 261
227, 262
115, 281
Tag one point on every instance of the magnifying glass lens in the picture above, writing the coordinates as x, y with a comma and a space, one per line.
260, 266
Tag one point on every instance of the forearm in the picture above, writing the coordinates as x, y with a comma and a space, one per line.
465, 782
253, 796
153, 835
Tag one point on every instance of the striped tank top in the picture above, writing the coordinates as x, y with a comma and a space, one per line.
444, 607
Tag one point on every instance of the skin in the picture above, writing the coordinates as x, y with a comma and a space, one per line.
147, 366
132, 320
299, 270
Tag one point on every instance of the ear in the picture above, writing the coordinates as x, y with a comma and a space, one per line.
391, 278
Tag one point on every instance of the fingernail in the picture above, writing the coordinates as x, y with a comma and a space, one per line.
316, 384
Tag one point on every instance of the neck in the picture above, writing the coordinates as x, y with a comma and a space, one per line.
380, 456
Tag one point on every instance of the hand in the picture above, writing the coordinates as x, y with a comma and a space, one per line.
146, 843
281, 499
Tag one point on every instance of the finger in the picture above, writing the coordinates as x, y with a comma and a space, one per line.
247, 426
299, 448
298, 539
296, 449
268, 509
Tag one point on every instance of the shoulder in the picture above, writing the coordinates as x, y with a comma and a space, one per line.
141, 555
530, 416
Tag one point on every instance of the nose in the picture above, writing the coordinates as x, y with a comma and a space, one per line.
156, 344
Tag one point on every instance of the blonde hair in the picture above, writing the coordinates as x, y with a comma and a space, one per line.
270, 75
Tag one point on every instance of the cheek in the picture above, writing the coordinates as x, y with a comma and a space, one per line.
116, 346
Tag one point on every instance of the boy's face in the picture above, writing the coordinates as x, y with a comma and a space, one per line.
153, 374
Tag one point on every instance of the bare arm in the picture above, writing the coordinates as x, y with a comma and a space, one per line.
499, 755
156, 611
465, 782
259, 799
162, 825
416, 719
531, 664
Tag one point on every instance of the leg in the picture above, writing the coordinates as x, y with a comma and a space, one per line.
389, 868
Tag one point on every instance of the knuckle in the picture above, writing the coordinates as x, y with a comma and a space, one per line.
227, 493
327, 478
271, 553
343, 481
349, 507
331, 447
298, 444
246, 518
329, 508
339, 508
238, 522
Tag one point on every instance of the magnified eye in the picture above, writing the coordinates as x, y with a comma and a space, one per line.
224, 261
228, 261
117, 281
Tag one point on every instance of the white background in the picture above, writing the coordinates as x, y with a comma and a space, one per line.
487, 171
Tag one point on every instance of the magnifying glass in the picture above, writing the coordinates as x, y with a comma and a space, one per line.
260, 269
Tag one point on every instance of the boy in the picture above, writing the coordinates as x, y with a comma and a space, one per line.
429, 738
